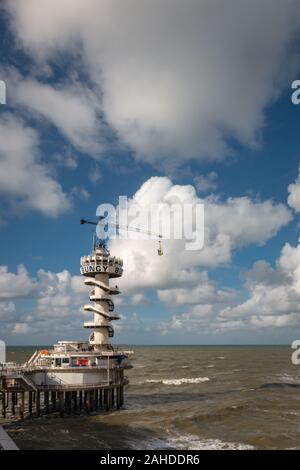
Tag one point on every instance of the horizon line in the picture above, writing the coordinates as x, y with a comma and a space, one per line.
165, 345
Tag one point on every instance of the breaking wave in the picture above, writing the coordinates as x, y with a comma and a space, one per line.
183, 381
192, 442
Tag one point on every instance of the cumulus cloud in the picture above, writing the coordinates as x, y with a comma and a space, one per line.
71, 108
23, 177
60, 295
55, 307
294, 195
20, 328
178, 80
204, 293
7, 309
272, 300
180, 277
205, 183
274, 294
19, 285
229, 225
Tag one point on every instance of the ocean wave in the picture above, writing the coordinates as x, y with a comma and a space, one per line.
288, 378
182, 381
192, 442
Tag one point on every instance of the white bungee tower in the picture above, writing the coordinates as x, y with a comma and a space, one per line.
98, 268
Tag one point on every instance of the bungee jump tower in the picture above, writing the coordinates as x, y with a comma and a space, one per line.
74, 376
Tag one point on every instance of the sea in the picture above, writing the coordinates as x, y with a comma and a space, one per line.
184, 397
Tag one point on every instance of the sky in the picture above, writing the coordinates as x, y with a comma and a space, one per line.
162, 101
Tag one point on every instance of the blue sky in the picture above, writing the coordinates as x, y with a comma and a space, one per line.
95, 109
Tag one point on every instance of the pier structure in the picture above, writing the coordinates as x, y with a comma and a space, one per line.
74, 376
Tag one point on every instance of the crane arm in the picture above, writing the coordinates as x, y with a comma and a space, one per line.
122, 227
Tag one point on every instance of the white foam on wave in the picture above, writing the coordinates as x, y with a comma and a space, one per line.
192, 442
192, 380
288, 378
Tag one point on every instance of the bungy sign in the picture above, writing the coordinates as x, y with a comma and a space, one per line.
99, 268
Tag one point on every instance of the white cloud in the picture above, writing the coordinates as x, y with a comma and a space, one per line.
274, 294
294, 195
19, 285
95, 175
245, 221
229, 225
80, 192
55, 308
205, 183
71, 108
205, 292
138, 299
20, 329
60, 295
180, 278
7, 309
23, 177
178, 79
65, 159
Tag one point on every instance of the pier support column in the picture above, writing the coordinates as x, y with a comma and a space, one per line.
88, 404
75, 401
87, 401
53, 400
100, 398
30, 403
61, 403
93, 400
13, 403
96, 399
107, 399
22, 405
3, 404
68, 402
80, 400
118, 397
38, 403
112, 397
46, 400
121, 396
